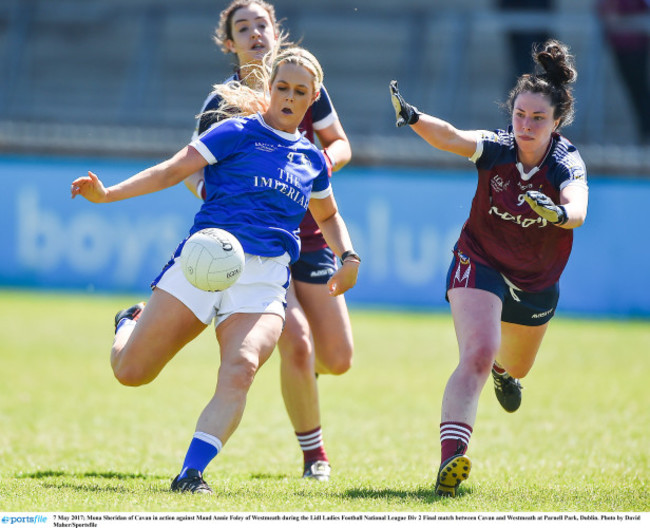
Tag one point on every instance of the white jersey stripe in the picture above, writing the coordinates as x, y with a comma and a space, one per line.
204, 151
319, 195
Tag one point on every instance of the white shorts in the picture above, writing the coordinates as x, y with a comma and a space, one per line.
262, 288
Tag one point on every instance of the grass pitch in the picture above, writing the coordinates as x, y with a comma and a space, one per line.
73, 439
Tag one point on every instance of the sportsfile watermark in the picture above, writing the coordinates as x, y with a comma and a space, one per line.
24, 519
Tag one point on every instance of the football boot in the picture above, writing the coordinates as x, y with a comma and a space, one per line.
192, 482
319, 470
452, 472
508, 391
132, 313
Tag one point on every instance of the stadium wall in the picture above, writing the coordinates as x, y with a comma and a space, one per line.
404, 223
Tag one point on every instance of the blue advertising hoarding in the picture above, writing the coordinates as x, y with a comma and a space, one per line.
403, 223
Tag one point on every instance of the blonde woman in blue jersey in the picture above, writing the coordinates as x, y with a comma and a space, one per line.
317, 335
502, 284
258, 159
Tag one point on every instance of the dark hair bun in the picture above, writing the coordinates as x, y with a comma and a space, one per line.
556, 62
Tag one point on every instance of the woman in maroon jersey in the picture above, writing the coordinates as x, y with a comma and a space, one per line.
317, 336
502, 284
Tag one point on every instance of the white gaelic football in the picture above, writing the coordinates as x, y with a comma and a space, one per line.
212, 259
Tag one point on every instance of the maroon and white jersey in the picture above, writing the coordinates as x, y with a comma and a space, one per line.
502, 230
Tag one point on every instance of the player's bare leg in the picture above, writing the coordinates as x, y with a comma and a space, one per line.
140, 351
477, 316
330, 326
300, 389
477, 320
246, 342
519, 347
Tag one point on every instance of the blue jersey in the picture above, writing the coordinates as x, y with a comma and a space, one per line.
320, 114
502, 230
258, 184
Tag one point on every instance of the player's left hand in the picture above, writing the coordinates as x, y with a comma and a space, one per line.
545, 207
344, 278
90, 187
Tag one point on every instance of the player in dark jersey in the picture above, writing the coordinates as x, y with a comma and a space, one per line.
317, 336
502, 284
262, 159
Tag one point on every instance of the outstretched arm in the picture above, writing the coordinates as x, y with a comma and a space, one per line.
156, 178
436, 132
326, 213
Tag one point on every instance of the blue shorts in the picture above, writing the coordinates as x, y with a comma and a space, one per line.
315, 267
519, 307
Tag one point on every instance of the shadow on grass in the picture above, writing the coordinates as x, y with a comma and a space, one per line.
423, 494
61, 479
83, 481
86, 487
89, 474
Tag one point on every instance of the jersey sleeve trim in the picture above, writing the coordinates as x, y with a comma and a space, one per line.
578, 183
204, 151
325, 122
479, 150
320, 195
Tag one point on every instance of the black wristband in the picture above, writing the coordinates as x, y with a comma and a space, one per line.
563, 217
350, 253
414, 115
